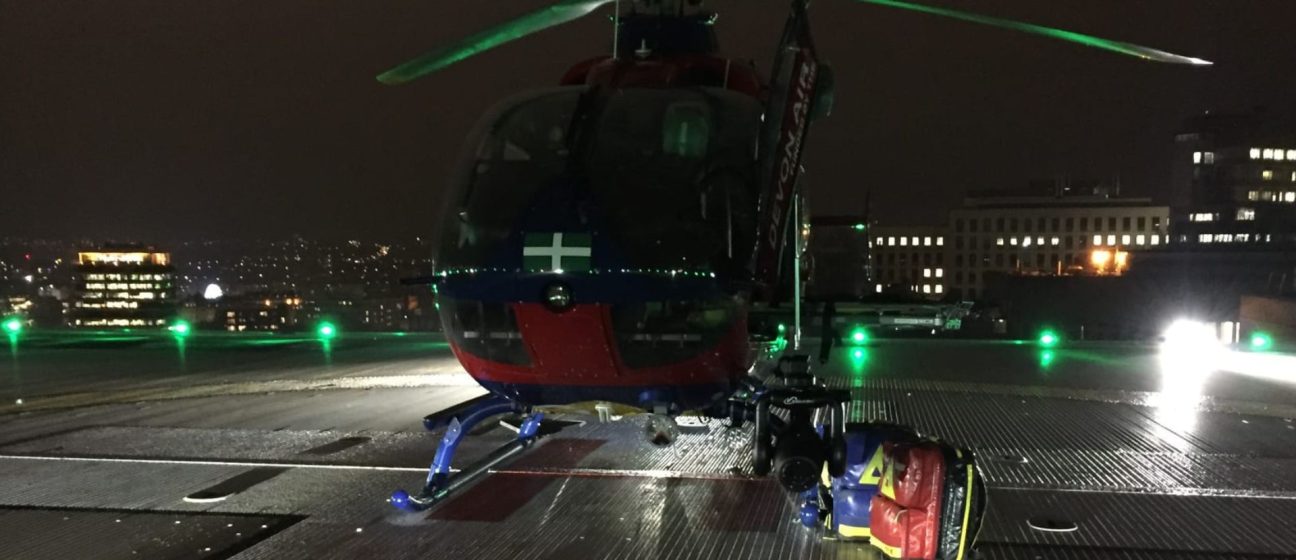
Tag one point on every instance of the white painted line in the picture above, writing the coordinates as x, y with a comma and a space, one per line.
193, 500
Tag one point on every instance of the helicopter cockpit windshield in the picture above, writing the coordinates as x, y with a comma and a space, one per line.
673, 170
670, 172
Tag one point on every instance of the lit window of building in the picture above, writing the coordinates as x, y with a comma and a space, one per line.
1267, 174
890, 242
1111, 240
999, 242
1245, 214
1140, 240
1125, 240
1268, 153
1243, 237
878, 288
904, 241
1097, 241
915, 241
1208, 158
1255, 195
940, 241
1201, 217
1197, 157
940, 288
879, 242
940, 273
1204, 238
1289, 197
926, 242
927, 288
926, 273
1156, 239
1291, 155
1013, 241
1255, 153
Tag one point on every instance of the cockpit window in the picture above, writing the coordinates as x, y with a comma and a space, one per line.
521, 148
669, 171
674, 171
686, 129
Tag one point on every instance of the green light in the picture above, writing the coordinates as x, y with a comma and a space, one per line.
180, 328
1046, 358
859, 336
326, 330
859, 358
1049, 339
858, 227
782, 328
13, 326
1121, 47
1261, 341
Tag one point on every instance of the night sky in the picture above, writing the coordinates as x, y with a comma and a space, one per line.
157, 119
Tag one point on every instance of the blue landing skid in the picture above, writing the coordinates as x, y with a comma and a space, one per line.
440, 482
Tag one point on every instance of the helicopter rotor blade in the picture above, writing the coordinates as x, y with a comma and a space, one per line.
562, 12
1130, 49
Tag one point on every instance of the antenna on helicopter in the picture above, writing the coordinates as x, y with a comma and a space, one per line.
616, 28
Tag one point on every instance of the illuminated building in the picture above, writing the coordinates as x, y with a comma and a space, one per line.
1048, 232
1234, 183
260, 312
910, 259
124, 287
1034, 231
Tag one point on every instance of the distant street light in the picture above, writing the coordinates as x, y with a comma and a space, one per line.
13, 325
213, 292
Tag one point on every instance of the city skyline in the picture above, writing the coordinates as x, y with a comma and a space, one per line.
211, 121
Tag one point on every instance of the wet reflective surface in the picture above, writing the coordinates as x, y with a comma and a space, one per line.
1146, 451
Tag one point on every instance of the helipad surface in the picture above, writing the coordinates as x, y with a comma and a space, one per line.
292, 455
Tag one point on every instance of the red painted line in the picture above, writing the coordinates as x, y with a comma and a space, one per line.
497, 496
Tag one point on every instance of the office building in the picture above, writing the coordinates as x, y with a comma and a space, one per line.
123, 287
1234, 183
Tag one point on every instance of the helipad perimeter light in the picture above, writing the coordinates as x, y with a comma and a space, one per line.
1049, 338
1261, 341
858, 335
180, 328
13, 325
326, 330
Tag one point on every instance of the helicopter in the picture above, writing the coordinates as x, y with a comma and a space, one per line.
604, 239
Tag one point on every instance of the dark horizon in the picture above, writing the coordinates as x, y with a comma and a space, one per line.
234, 121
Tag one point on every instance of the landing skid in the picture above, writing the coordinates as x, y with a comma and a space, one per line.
441, 482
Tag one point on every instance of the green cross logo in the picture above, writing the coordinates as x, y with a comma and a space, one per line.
558, 252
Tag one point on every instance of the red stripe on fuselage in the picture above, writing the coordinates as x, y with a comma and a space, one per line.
577, 348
